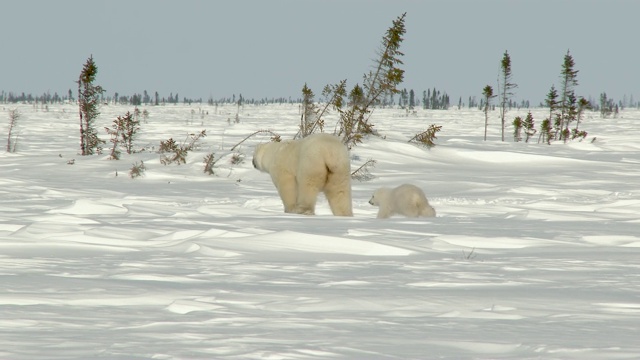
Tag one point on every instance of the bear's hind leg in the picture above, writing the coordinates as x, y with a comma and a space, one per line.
413, 211
338, 194
306, 204
308, 189
339, 202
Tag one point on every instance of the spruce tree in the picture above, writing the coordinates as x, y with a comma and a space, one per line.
130, 125
387, 75
570, 116
412, 99
487, 92
529, 126
507, 87
307, 117
583, 104
567, 96
434, 99
552, 103
606, 107
404, 98
518, 124
89, 101
382, 81
546, 131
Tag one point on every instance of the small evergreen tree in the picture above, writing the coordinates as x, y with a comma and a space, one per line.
529, 126
115, 141
583, 104
412, 99
517, 129
567, 96
507, 87
546, 132
552, 103
89, 101
426, 96
487, 92
570, 116
356, 96
404, 96
130, 127
124, 130
606, 106
312, 117
307, 118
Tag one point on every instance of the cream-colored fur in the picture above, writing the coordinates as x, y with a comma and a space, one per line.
406, 199
300, 169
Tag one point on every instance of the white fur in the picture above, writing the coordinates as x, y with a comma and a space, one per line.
300, 169
406, 199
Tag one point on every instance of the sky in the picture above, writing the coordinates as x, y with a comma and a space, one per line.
266, 49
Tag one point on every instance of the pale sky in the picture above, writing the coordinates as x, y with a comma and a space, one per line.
263, 48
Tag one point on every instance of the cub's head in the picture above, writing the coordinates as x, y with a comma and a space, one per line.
377, 196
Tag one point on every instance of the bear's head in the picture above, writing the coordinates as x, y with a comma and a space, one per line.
259, 156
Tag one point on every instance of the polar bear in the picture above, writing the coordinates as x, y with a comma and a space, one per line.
300, 169
406, 199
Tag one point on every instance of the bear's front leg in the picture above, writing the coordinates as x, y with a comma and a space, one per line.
286, 186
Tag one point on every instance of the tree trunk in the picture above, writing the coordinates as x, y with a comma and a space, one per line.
83, 147
486, 119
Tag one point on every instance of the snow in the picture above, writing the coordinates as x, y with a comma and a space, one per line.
534, 253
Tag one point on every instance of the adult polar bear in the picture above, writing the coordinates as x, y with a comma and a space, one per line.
406, 199
300, 169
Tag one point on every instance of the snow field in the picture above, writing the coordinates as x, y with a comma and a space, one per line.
533, 254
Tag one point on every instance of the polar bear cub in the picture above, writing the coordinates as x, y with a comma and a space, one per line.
406, 199
300, 169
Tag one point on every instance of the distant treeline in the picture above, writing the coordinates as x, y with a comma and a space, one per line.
431, 99
407, 99
136, 99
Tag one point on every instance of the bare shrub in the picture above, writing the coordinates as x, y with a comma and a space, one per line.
137, 170
209, 162
172, 152
274, 137
12, 138
362, 173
